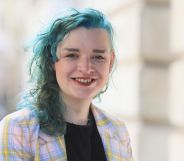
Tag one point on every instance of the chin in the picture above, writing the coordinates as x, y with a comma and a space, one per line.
85, 97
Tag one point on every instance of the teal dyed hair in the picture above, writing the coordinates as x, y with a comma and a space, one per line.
46, 93
70, 20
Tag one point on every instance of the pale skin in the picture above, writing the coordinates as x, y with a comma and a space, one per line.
85, 62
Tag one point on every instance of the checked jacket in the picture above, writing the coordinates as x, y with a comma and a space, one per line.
22, 140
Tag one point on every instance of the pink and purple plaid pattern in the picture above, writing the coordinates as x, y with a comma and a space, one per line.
22, 140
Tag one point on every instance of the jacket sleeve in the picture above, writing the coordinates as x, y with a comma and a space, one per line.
126, 142
130, 149
14, 140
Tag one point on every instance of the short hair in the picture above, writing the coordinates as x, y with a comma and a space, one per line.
46, 91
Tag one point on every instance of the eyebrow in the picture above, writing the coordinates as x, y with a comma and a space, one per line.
77, 50
72, 49
99, 50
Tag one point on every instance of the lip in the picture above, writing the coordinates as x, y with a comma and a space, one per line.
84, 81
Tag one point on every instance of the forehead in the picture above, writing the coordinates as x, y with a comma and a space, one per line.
85, 36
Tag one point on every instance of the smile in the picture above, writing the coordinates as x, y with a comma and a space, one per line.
85, 81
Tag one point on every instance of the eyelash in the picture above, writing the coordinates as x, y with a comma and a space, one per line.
98, 58
72, 55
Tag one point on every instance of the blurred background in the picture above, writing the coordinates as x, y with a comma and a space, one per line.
147, 87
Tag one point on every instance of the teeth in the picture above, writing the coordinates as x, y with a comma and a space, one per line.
83, 80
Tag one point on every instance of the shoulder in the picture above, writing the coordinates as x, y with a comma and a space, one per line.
20, 117
110, 122
102, 116
20, 121
18, 130
114, 127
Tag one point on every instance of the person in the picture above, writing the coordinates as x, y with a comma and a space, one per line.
73, 58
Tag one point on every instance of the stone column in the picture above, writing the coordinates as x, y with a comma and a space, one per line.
161, 77
177, 67
156, 57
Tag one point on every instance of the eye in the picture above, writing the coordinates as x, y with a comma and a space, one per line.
72, 55
99, 58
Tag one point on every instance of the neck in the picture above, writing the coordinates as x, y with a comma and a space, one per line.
76, 111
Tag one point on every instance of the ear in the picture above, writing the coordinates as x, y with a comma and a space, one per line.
112, 60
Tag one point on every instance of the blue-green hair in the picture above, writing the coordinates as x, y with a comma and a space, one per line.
46, 92
56, 31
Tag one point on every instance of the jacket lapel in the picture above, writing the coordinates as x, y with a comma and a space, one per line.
51, 148
114, 145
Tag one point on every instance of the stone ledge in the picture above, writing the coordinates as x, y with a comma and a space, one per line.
157, 2
162, 60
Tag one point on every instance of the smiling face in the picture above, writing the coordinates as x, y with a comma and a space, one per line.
85, 61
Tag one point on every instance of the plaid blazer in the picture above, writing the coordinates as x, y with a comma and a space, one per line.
22, 140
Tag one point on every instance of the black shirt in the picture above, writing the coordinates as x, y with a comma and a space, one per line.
83, 142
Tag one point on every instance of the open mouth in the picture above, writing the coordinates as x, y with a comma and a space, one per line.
84, 81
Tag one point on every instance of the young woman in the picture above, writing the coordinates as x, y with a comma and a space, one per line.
72, 62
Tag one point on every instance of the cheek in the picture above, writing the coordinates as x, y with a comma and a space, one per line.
58, 77
104, 70
59, 68
59, 73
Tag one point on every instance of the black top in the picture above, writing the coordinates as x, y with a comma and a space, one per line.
83, 142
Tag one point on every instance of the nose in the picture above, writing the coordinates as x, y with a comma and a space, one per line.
85, 66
